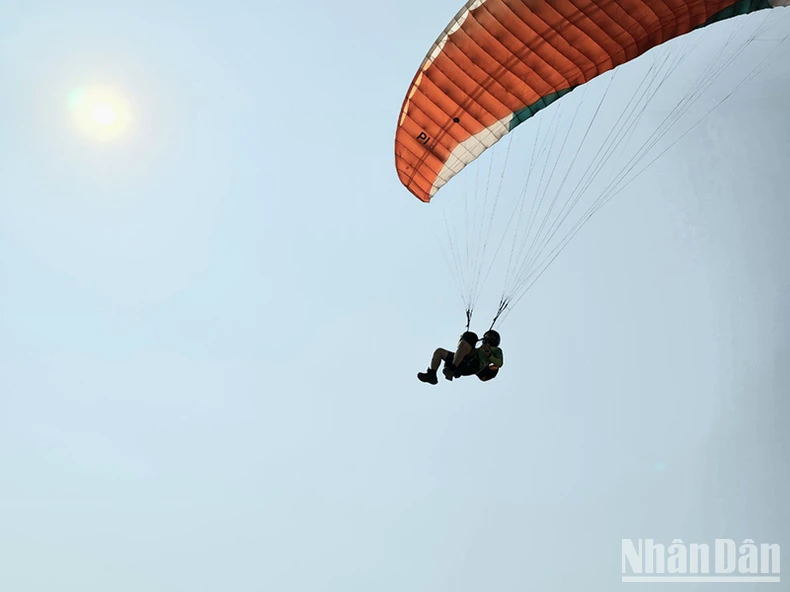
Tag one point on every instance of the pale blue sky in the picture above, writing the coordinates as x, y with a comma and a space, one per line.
209, 334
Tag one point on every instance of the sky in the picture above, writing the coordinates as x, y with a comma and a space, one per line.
210, 325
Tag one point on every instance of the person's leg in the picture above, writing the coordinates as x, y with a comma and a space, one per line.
429, 375
439, 355
452, 360
464, 349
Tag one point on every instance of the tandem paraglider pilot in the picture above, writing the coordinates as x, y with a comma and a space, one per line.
467, 359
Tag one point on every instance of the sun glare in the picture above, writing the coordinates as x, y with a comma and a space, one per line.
104, 114
101, 114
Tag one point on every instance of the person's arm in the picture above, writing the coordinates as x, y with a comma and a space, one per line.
495, 357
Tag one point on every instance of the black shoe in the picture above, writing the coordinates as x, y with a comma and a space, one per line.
428, 376
449, 372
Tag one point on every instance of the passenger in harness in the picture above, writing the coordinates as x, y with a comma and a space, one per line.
467, 359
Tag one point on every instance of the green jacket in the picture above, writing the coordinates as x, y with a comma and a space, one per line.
496, 358
479, 359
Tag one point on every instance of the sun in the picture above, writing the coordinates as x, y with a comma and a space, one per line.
101, 114
104, 114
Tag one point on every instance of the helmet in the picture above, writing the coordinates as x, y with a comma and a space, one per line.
491, 338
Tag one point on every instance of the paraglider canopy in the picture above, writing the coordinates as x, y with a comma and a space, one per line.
499, 62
